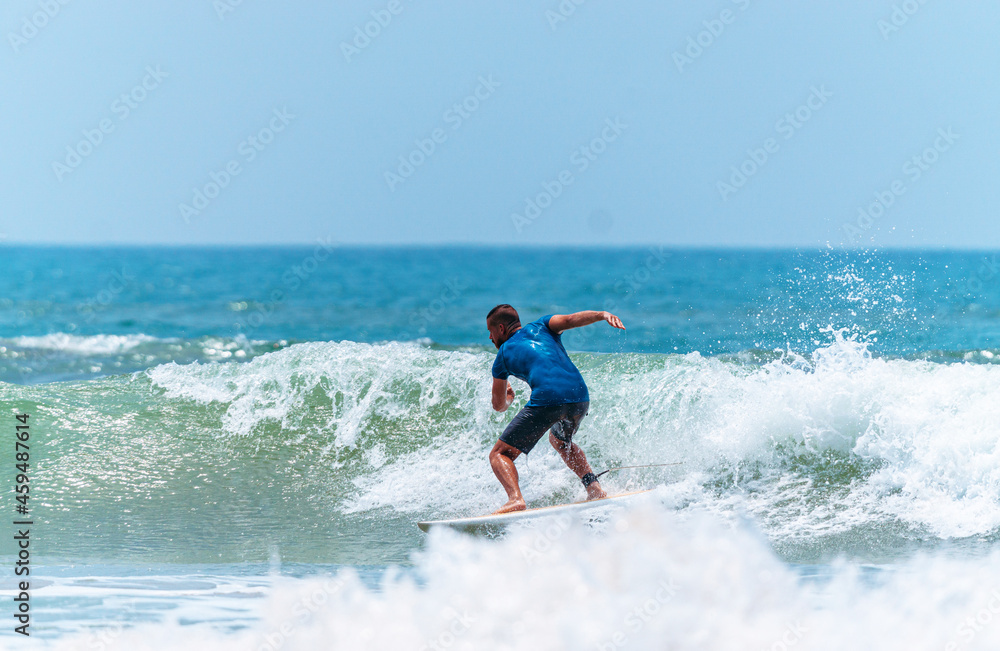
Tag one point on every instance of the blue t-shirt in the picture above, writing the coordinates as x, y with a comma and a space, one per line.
536, 355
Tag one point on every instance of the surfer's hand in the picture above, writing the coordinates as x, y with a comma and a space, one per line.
510, 394
613, 320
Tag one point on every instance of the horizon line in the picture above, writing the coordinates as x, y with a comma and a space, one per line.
7, 244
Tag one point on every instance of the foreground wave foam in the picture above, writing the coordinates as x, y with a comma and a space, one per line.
648, 579
811, 445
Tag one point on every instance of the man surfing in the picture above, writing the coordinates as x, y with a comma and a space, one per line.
559, 398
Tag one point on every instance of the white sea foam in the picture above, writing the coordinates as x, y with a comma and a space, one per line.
918, 441
83, 344
649, 579
362, 381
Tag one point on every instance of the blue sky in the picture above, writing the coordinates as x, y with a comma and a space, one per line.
725, 123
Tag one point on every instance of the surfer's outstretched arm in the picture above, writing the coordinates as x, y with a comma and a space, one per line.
561, 322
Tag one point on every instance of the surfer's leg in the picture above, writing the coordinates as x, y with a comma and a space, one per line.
521, 435
561, 438
502, 460
574, 457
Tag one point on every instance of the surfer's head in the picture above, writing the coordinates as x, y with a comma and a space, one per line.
502, 322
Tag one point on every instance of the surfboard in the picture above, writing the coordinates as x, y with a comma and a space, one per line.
493, 522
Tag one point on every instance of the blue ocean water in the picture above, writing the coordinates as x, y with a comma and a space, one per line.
673, 301
226, 436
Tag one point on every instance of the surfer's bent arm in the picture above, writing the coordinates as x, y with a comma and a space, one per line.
503, 394
560, 322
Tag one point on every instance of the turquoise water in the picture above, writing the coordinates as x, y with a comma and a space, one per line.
681, 301
229, 429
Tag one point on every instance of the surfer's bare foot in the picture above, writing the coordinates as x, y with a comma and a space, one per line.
516, 504
595, 492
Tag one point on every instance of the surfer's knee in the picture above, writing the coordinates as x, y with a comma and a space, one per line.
502, 449
558, 444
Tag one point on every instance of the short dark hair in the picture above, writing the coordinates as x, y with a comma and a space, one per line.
504, 315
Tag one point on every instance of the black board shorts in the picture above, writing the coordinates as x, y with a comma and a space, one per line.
533, 421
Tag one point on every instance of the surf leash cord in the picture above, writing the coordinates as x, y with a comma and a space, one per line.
650, 465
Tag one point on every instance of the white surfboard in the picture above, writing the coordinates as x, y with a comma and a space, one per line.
496, 522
